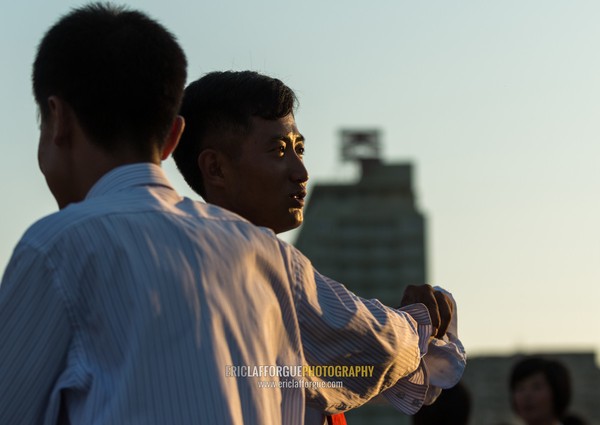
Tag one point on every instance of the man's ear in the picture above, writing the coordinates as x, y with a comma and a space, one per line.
173, 137
61, 120
213, 167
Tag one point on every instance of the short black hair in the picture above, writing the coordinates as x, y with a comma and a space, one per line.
219, 107
122, 73
453, 407
555, 372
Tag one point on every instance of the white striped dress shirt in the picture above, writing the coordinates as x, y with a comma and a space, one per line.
129, 307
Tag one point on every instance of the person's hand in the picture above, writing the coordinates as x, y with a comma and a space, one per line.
439, 305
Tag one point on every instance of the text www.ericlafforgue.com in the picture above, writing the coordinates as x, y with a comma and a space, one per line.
299, 384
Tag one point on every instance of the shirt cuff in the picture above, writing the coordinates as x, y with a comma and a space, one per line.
424, 329
410, 392
446, 358
442, 364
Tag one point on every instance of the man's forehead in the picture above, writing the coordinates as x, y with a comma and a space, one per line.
278, 128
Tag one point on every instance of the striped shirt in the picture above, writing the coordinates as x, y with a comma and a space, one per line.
138, 306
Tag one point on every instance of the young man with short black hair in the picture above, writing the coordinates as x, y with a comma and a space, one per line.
242, 150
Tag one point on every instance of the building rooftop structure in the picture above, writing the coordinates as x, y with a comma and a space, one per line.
369, 234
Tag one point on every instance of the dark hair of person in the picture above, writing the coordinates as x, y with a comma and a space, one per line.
218, 109
453, 407
121, 72
555, 373
573, 419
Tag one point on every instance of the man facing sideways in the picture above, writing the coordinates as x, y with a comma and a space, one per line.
242, 150
133, 305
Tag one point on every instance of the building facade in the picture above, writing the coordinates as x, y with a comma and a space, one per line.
370, 236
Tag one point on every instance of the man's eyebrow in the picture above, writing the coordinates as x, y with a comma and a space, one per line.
300, 138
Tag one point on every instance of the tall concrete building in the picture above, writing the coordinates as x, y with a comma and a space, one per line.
369, 234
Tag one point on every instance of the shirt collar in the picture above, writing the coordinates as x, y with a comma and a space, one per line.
127, 176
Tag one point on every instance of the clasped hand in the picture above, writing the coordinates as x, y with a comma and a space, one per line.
439, 305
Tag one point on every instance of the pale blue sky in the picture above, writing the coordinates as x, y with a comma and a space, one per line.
496, 103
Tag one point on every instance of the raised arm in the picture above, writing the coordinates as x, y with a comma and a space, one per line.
341, 329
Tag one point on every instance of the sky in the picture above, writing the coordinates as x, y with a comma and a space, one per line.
495, 103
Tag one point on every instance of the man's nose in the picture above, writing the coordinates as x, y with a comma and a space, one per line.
298, 172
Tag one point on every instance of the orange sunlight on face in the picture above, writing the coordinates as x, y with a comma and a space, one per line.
268, 182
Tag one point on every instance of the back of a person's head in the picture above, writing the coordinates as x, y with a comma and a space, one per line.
453, 407
218, 109
121, 72
556, 374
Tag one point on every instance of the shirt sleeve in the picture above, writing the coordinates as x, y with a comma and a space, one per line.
376, 345
443, 364
34, 337
338, 328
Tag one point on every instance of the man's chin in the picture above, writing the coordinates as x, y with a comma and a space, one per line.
293, 221
297, 218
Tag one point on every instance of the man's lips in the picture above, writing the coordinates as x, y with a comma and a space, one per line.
298, 198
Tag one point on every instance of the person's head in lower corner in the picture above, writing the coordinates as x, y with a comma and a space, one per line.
111, 74
540, 390
241, 148
452, 407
